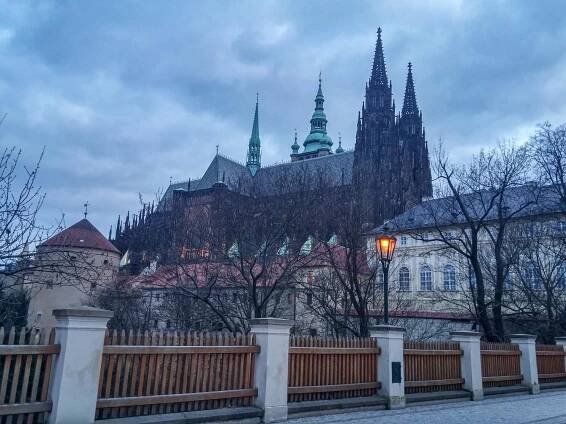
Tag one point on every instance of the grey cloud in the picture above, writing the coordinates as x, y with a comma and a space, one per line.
125, 95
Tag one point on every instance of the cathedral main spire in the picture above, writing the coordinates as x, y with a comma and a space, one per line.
378, 72
254, 148
410, 102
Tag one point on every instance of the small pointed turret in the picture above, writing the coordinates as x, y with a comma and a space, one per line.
378, 72
339, 149
254, 148
410, 102
295, 146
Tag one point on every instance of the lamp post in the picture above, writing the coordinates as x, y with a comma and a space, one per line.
385, 246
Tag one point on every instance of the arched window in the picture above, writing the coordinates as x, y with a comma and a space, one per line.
426, 278
404, 279
449, 277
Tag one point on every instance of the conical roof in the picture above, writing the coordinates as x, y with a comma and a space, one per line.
82, 234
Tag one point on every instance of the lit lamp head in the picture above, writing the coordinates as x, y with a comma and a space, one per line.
385, 246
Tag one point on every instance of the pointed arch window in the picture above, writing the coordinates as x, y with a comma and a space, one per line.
426, 278
449, 277
404, 279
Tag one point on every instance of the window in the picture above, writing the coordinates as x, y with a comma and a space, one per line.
404, 279
532, 278
403, 240
449, 275
561, 277
290, 298
379, 280
426, 278
471, 277
105, 261
309, 298
93, 285
310, 277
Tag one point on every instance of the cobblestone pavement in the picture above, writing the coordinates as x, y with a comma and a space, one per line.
546, 408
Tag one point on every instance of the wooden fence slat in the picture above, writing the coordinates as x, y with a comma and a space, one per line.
326, 368
432, 366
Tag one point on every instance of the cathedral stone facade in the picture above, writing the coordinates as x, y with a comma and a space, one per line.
386, 173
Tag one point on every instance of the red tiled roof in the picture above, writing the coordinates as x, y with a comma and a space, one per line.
82, 234
226, 273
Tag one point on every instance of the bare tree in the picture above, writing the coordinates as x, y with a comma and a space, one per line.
548, 151
477, 203
239, 251
536, 287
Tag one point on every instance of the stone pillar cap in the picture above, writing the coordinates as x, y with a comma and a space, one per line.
83, 311
561, 338
273, 322
465, 333
522, 336
387, 328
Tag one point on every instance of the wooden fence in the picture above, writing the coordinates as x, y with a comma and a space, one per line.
327, 368
157, 373
432, 366
550, 363
500, 364
26, 363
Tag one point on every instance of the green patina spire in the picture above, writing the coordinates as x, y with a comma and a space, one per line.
254, 149
318, 139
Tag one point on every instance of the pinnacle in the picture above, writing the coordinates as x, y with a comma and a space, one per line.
410, 106
379, 72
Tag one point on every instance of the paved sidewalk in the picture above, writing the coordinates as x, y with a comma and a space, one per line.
546, 408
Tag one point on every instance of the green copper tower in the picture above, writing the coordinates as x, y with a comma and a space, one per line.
318, 139
254, 149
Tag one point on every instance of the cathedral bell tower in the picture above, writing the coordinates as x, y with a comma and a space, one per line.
391, 166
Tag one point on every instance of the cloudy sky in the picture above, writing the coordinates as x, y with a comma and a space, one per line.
125, 95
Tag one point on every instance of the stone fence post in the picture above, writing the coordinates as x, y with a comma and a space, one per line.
529, 369
390, 364
74, 384
561, 341
470, 363
271, 366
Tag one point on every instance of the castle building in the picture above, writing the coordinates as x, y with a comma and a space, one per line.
387, 172
389, 167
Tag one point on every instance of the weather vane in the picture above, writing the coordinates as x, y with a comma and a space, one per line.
86, 208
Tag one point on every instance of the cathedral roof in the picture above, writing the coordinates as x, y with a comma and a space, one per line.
83, 235
334, 170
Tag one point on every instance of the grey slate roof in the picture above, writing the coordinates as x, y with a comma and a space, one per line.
334, 170
521, 202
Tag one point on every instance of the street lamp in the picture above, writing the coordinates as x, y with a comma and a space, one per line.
385, 246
